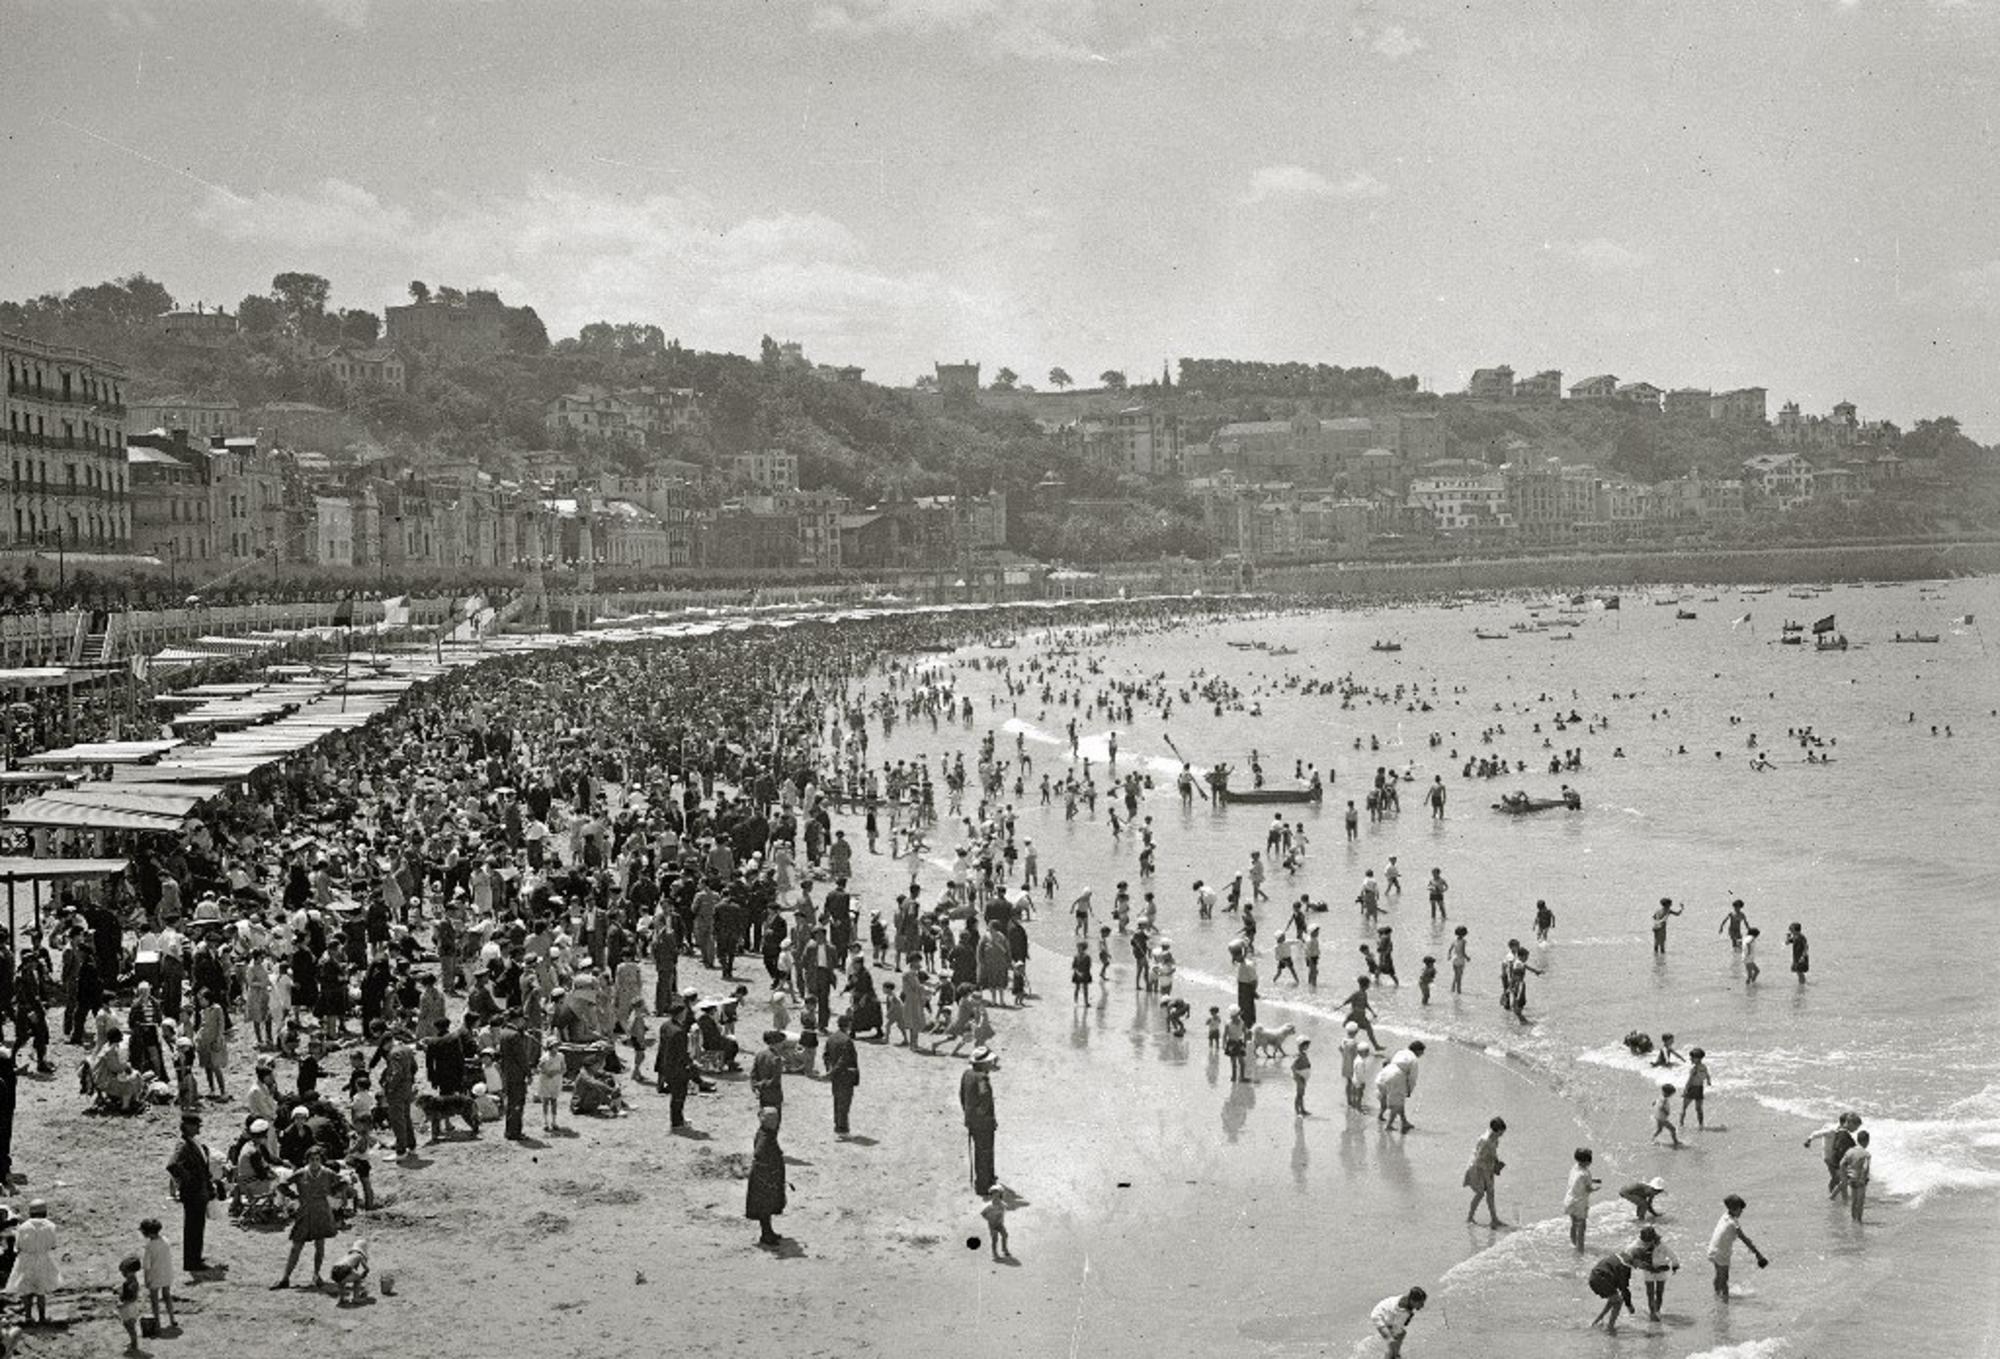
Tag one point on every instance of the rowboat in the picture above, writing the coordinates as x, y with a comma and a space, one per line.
1528, 806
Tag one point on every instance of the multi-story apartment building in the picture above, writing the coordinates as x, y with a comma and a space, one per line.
62, 416
201, 417
171, 481
1780, 480
1491, 384
357, 365
769, 469
1688, 403
1136, 441
1544, 387
477, 323
202, 327
246, 500
1743, 405
593, 412
1457, 501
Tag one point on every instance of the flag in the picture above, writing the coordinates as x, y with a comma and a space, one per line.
1609, 601
1740, 621
343, 612
396, 612
1824, 625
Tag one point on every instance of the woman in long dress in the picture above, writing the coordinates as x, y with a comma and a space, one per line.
765, 1198
36, 1273
314, 1186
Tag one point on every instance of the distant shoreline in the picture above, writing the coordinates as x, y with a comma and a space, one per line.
1706, 566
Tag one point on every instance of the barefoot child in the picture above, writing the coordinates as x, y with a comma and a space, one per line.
157, 1260
1426, 977
1663, 1115
130, 1300
1301, 1073
1576, 1198
549, 1079
1214, 1029
995, 1213
1728, 1231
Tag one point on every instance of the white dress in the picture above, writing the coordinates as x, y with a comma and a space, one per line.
35, 1270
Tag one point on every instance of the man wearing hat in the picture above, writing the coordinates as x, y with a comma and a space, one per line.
194, 1186
767, 1073
518, 1054
975, 1101
674, 1064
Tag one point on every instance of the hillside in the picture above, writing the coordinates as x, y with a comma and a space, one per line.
871, 442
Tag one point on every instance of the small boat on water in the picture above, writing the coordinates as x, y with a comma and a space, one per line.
1791, 626
1562, 637
1218, 780
1928, 637
1283, 651
1684, 615
1520, 804
1486, 636
1385, 646
1830, 644
1792, 639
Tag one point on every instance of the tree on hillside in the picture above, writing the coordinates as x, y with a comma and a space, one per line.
767, 352
259, 315
301, 298
1058, 378
420, 291
127, 301
1113, 380
631, 338
1005, 380
361, 327
525, 332
450, 296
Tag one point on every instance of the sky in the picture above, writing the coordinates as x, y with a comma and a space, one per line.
1801, 195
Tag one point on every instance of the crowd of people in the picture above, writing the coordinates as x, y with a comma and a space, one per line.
539, 878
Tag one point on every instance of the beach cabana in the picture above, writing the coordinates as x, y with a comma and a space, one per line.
35, 872
103, 752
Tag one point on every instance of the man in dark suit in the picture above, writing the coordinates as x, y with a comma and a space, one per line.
975, 1101
843, 1071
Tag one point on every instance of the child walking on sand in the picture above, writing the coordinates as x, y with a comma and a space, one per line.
995, 1213
1576, 1198
157, 1261
1301, 1073
129, 1301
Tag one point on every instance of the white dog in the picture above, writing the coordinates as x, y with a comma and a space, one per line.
1268, 1042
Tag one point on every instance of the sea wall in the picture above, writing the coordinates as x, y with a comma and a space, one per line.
1762, 566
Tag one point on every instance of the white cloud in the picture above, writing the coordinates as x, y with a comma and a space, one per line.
1280, 182
578, 255
1602, 255
1036, 30
333, 214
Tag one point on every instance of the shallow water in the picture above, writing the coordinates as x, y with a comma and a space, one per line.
1885, 856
